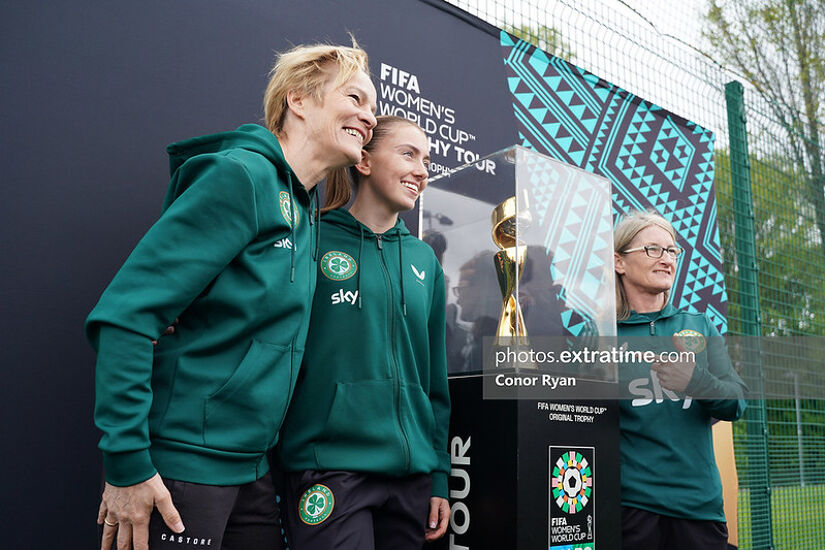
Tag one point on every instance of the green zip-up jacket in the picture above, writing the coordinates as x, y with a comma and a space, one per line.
372, 395
224, 257
667, 461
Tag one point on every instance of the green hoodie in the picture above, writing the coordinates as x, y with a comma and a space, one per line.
372, 395
667, 461
206, 404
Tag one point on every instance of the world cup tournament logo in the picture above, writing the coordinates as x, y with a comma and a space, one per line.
572, 482
572, 506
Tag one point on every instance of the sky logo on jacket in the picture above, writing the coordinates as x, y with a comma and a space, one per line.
338, 266
284, 243
344, 297
656, 394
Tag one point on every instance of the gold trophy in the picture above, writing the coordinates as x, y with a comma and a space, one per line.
509, 264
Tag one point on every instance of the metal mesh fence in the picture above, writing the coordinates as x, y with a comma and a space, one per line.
769, 200
791, 273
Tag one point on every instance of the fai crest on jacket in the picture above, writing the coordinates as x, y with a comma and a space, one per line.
338, 266
689, 340
285, 203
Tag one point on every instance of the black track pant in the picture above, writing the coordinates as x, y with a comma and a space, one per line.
651, 531
237, 517
354, 511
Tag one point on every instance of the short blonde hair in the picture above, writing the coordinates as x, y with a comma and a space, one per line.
628, 227
305, 69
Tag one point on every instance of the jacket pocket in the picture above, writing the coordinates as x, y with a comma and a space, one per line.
361, 431
246, 412
419, 425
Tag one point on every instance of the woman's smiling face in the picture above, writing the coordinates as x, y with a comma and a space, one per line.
643, 273
342, 121
398, 167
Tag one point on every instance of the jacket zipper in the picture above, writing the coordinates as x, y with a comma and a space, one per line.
653, 328
396, 383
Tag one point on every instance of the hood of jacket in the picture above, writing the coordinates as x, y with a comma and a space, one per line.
343, 219
249, 137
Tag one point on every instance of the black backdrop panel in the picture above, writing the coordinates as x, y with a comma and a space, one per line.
92, 92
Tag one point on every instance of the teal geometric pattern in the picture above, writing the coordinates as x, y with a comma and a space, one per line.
672, 153
653, 159
573, 210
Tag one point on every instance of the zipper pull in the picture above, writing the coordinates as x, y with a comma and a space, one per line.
653, 328
380, 244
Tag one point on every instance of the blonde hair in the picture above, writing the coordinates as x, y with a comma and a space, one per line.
339, 183
628, 227
304, 69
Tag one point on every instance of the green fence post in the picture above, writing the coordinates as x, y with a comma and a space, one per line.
756, 413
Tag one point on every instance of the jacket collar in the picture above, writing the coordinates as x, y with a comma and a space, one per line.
636, 318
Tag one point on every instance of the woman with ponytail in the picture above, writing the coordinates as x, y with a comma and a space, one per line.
671, 491
364, 443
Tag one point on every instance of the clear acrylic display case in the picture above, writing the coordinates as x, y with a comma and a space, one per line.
525, 237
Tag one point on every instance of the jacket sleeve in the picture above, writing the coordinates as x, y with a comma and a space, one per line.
719, 389
439, 388
191, 243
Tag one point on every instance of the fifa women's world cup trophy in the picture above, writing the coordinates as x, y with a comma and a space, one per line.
507, 222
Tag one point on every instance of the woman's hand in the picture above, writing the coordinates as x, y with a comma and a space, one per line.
437, 521
674, 376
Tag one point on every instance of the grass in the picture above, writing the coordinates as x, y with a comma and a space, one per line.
798, 515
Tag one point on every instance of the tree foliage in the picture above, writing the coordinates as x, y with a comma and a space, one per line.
791, 270
789, 262
544, 37
778, 46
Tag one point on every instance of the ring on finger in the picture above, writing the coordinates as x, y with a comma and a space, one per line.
109, 523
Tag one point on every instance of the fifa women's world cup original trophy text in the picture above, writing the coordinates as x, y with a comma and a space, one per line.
508, 218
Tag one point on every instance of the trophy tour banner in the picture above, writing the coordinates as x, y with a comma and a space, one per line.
653, 158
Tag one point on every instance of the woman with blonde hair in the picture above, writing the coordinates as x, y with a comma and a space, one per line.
186, 428
671, 491
365, 441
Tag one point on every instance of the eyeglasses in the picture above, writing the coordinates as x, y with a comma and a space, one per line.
656, 252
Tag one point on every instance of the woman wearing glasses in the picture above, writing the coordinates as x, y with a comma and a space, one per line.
671, 491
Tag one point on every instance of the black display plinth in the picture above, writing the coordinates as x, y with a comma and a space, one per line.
504, 454
525, 242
